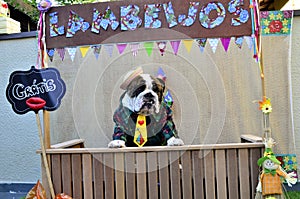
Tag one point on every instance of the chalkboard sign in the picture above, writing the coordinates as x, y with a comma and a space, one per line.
43, 83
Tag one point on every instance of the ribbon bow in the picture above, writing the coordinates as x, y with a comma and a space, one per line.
271, 171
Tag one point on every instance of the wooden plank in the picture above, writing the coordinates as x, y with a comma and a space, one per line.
141, 175
152, 175
198, 174
156, 148
130, 175
209, 174
68, 144
255, 154
163, 175
87, 176
98, 176
120, 177
56, 173
176, 191
232, 174
109, 177
186, 175
66, 174
244, 175
76, 175
221, 174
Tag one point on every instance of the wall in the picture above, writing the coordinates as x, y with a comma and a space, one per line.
18, 133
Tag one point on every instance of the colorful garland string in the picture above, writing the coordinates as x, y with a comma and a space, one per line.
43, 7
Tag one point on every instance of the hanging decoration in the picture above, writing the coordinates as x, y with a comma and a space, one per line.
225, 43
201, 43
149, 47
175, 46
188, 44
213, 44
134, 48
276, 22
61, 52
121, 47
239, 41
109, 49
96, 50
72, 52
84, 50
162, 45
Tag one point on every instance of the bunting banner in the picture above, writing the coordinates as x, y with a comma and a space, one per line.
188, 45
72, 52
149, 47
121, 47
96, 50
225, 43
109, 49
175, 46
213, 44
84, 50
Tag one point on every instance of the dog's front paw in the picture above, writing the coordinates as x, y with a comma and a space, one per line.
175, 142
116, 144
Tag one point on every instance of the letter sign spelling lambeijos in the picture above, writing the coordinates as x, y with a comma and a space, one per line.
146, 20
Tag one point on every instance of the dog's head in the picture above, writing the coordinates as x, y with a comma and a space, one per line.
144, 94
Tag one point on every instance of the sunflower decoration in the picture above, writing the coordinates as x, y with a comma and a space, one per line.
265, 105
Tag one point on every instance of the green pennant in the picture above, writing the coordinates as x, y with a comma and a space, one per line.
149, 47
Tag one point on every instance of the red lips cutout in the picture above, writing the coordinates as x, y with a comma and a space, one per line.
141, 122
35, 103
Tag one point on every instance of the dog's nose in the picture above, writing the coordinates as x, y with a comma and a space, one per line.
148, 95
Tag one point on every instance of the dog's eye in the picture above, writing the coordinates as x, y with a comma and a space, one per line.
155, 87
138, 90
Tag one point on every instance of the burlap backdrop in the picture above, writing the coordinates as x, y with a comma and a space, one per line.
214, 93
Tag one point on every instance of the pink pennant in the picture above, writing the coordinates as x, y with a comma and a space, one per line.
175, 46
134, 48
225, 43
61, 52
121, 47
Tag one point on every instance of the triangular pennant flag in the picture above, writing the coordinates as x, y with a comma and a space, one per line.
225, 42
201, 43
50, 53
188, 44
149, 47
121, 47
72, 52
249, 41
213, 44
109, 48
168, 99
96, 49
239, 41
162, 45
61, 52
135, 48
84, 50
175, 46
161, 74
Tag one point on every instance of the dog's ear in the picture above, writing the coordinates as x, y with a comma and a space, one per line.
160, 83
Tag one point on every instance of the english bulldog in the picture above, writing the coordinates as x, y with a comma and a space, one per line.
143, 98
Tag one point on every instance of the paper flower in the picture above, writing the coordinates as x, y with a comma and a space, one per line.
44, 5
265, 105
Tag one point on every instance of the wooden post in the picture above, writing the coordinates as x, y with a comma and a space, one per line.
46, 121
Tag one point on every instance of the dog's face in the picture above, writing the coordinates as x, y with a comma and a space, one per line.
144, 94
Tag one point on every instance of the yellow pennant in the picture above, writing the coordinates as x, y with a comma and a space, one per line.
140, 135
188, 44
84, 50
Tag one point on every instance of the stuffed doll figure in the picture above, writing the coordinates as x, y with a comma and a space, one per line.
270, 185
